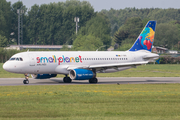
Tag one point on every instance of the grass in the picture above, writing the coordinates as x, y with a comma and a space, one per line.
150, 70
91, 102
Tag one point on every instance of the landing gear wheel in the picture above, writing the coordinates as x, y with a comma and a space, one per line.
93, 80
67, 80
26, 81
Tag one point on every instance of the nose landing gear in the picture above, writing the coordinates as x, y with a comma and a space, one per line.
26, 81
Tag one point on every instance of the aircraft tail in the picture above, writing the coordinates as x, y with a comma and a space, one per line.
146, 38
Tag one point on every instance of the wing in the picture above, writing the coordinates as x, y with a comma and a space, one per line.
108, 66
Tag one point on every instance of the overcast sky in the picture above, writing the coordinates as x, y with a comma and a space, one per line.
115, 4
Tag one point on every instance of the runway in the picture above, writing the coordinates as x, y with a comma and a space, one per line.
112, 80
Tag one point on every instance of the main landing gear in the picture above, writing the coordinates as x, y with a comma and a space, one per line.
93, 80
67, 79
26, 81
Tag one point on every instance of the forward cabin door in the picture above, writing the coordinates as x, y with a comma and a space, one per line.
32, 59
34, 69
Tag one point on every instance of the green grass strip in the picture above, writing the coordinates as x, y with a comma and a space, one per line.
91, 102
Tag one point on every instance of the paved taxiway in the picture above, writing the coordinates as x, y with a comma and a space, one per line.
114, 80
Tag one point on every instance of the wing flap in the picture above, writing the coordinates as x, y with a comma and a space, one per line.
117, 65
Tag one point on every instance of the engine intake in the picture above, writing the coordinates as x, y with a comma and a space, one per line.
81, 74
43, 76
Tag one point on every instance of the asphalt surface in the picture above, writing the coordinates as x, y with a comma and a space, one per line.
114, 80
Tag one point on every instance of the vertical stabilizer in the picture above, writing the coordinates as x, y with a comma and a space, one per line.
146, 38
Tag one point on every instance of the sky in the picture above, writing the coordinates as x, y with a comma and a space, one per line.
98, 5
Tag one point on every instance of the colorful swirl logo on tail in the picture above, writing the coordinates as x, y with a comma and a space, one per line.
146, 38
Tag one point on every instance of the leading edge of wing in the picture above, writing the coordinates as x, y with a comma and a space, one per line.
107, 65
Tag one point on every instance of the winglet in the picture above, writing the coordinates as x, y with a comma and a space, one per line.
146, 38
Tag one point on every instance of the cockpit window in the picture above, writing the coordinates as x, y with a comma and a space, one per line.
15, 59
21, 59
12, 59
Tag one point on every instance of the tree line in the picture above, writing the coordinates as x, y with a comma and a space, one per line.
53, 24
166, 35
126, 25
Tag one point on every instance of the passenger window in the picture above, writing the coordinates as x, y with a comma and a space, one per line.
17, 59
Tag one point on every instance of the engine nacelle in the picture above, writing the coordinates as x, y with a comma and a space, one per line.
43, 76
81, 74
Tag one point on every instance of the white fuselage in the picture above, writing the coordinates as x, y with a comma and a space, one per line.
60, 62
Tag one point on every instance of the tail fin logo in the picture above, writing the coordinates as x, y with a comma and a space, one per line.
146, 38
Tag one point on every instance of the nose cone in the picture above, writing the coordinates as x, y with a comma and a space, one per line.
5, 66
12, 67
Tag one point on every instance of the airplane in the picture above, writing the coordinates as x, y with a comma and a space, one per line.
83, 65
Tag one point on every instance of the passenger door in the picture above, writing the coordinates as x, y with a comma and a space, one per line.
32, 59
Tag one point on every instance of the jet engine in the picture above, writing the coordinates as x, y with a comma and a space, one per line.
43, 76
81, 74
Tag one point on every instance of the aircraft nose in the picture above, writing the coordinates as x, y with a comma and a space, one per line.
11, 67
5, 66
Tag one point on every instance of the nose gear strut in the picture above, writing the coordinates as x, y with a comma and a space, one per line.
26, 81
